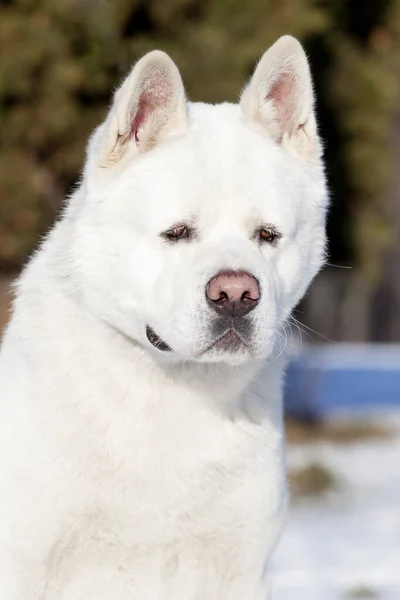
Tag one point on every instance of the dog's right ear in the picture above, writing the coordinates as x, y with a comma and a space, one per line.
149, 105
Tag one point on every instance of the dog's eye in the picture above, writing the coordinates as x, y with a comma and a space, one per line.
268, 235
177, 233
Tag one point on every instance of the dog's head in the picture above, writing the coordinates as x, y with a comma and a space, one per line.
201, 226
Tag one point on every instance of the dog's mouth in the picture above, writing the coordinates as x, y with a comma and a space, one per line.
230, 341
156, 341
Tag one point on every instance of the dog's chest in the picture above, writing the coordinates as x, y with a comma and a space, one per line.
188, 494
170, 468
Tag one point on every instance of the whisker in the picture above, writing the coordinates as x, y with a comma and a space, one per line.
338, 266
284, 339
299, 330
312, 330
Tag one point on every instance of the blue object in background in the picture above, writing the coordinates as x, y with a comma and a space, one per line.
333, 377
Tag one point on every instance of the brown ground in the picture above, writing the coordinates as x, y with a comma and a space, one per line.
337, 432
362, 593
310, 481
315, 479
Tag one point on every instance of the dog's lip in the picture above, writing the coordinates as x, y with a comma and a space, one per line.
231, 336
156, 341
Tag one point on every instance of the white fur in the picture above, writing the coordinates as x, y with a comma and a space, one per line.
130, 473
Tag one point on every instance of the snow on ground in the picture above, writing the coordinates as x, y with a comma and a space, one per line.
347, 544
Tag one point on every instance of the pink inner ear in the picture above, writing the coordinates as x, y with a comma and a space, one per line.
142, 113
281, 94
156, 94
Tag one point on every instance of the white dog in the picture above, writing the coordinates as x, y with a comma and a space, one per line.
141, 444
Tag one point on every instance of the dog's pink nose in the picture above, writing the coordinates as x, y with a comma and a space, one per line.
233, 293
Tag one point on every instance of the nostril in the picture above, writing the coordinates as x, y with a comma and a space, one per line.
247, 298
222, 299
215, 292
233, 292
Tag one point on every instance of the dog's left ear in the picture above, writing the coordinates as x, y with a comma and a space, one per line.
280, 97
149, 105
